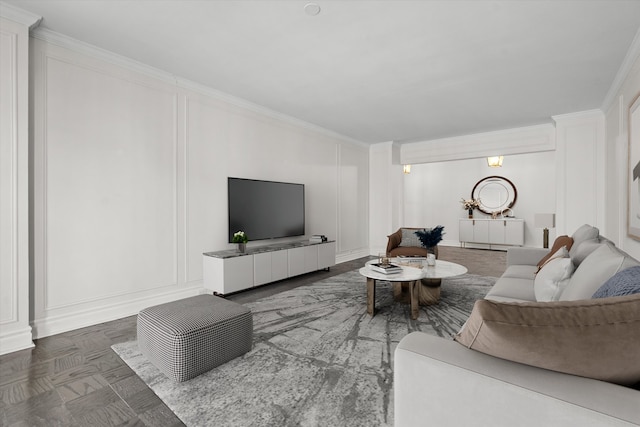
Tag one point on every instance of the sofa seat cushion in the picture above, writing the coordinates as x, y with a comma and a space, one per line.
408, 251
521, 271
597, 338
595, 270
513, 289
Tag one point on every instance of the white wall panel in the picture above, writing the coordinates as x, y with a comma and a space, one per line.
8, 168
222, 141
106, 203
354, 200
110, 185
15, 331
580, 171
207, 129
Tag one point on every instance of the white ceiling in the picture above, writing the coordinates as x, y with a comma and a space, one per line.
374, 70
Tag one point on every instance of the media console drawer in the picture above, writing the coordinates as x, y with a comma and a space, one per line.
225, 272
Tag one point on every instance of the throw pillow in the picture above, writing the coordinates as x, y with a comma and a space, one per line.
409, 238
551, 280
625, 282
597, 338
596, 269
561, 241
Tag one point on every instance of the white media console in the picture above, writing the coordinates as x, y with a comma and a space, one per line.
229, 271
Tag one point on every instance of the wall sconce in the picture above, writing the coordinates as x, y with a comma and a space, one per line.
495, 161
545, 221
406, 169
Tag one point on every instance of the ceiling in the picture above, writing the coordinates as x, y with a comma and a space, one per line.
374, 71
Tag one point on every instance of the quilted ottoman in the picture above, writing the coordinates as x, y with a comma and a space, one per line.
188, 337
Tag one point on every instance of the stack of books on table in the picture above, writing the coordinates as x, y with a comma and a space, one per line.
386, 269
318, 238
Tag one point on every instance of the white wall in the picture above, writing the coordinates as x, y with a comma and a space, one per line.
433, 192
15, 331
617, 155
557, 169
130, 176
444, 171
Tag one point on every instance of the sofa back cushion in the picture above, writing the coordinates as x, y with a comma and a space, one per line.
596, 269
588, 236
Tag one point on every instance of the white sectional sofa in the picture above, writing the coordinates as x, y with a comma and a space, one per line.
520, 361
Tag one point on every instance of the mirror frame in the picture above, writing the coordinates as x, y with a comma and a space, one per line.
510, 201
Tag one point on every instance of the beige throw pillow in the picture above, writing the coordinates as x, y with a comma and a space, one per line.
597, 338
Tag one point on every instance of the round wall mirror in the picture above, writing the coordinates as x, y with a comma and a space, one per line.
496, 194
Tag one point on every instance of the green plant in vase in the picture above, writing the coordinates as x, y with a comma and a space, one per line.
240, 237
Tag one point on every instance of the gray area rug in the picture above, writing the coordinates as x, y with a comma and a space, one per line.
318, 358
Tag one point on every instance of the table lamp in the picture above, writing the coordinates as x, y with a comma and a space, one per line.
545, 221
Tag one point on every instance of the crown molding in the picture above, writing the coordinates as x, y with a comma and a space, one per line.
84, 48
530, 139
623, 72
256, 108
20, 16
580, 115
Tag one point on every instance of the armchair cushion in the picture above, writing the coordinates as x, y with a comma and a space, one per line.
409, 238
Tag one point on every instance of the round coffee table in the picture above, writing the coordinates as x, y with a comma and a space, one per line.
414, 284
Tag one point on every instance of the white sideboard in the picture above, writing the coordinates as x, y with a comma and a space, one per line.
509, 231
225, 272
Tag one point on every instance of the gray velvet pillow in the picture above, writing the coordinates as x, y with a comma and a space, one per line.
409, 238
595, 270
625, 282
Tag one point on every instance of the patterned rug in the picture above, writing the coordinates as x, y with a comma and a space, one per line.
318, 358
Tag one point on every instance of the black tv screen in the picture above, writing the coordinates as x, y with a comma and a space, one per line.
265, 209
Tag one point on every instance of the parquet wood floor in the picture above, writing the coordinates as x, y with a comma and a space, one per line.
75, 379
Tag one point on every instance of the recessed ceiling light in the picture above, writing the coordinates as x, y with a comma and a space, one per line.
312, 9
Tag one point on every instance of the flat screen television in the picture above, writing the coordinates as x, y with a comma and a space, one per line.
265, 209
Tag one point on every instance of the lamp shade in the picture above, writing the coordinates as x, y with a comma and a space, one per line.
544, 220
495, 161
